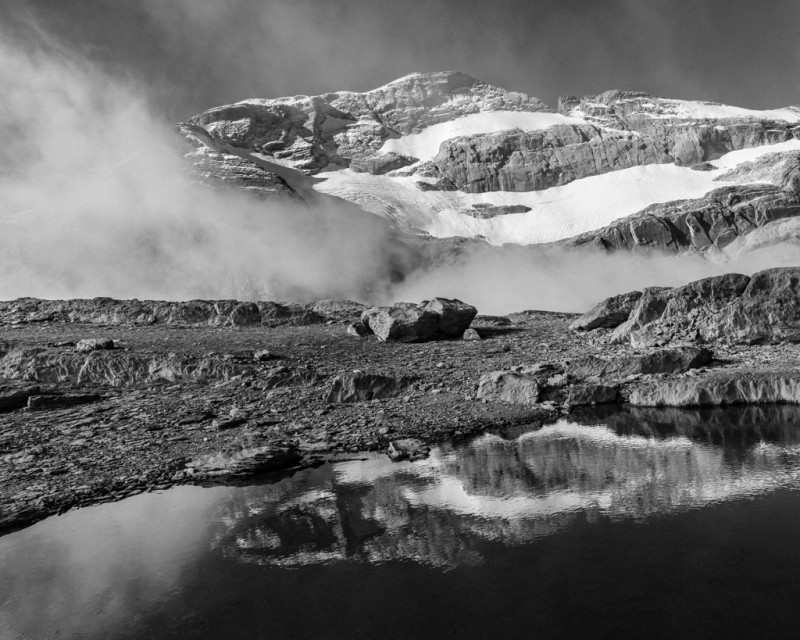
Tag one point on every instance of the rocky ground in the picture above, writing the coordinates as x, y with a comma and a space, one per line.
203, 392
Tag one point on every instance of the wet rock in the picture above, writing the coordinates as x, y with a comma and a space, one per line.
408, 449
93, 344
607, 314
583, 394
718, 389
247, 462
403, 322
471, 334
358, 387
676, 360
15, 396
517, 387
455, 316
357, 330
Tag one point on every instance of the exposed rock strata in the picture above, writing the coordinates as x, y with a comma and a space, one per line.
719, 389
731, 308
713, 222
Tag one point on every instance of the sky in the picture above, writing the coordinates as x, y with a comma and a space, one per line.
189, 55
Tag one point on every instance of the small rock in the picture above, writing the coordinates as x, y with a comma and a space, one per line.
94, 344
408, 448
471, 334
262, 356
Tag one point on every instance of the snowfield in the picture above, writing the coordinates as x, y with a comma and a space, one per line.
425, 144
697, 110
556, 213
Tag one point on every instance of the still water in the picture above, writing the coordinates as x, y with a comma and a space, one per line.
646, 524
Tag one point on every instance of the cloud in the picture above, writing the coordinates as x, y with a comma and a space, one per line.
95, 199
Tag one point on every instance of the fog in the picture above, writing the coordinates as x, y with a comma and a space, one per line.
97, 200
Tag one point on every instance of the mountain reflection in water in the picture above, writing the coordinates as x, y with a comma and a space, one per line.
512, 488
311, 555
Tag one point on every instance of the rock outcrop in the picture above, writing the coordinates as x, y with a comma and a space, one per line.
410, 322
218, 313
712, 222
719, 389
731, 308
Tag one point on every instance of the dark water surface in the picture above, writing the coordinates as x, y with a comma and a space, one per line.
654, 524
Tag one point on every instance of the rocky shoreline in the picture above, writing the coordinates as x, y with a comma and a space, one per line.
104, 399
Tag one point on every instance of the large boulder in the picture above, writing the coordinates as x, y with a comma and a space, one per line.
454, 316
403, 322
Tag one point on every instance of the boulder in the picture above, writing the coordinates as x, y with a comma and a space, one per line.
246, 462
516, 387
408, 449
358, 387
454, 316
607, 314
94, 344
403, 322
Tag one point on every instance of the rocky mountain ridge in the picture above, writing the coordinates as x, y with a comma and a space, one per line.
449, 155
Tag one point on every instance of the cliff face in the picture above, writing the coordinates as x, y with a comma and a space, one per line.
450, 155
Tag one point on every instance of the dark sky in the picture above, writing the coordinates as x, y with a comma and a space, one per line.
189, 55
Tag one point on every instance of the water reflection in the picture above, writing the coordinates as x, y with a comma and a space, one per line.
513, 488
161, 565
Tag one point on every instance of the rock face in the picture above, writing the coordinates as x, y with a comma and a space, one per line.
451, 132
344, 128
712, 222
409, 322
609, 313
719, 389
676, 360
731, 308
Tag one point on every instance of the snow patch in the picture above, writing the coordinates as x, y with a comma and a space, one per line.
425, 144
735, 158
714, 111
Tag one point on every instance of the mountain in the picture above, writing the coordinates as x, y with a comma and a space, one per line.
450, 156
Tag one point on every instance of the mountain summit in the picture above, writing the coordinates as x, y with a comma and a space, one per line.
449, 155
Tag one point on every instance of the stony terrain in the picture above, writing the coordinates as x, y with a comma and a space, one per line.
101, 399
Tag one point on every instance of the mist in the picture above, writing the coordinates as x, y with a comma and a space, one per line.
515, 278
97, 200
